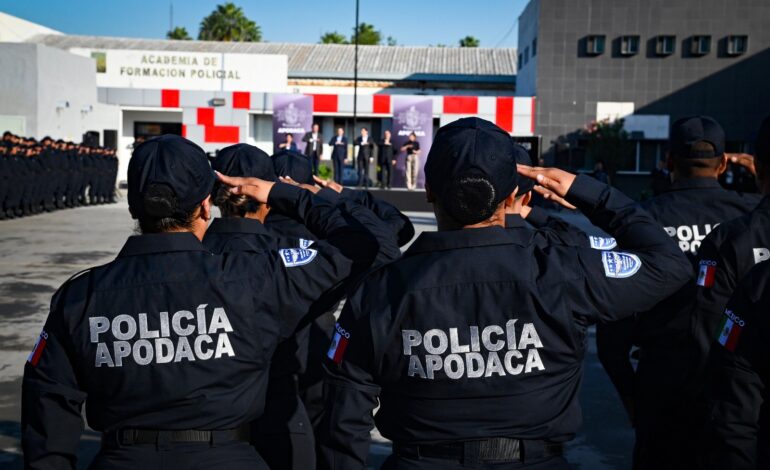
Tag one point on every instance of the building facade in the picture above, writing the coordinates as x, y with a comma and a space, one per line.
648, 62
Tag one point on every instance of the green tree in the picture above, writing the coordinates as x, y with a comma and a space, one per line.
367, 35
469, 41
333, 37
228, 23
391, 41
607, 141
180, 32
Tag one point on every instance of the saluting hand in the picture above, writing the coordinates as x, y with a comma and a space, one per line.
253, 188
743, 159
289, 180
553, 183
333, 185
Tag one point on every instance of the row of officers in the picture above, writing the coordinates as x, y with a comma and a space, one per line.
212, 344
52, 174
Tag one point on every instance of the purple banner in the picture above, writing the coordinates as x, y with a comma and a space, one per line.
292, 114
411, 114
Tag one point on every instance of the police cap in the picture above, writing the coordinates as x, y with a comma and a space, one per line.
167, 176
295, 165
686, 132
523, 158
762, 146
244, 160
471, 165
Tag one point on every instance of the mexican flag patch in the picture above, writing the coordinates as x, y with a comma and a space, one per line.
706, 274
37, 351
339, 344
730, 330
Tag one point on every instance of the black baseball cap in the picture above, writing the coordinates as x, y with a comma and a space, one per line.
686, 132
471, 151
244, 160
295, 165
167, 176
762, 145
523, 158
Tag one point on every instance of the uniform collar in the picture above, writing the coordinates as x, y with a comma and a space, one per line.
160, 243
514, 221
237, 225
459, 239
695, 183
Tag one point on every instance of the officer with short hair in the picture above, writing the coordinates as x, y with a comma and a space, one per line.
472, 343
656, 393
738, 427
169, 345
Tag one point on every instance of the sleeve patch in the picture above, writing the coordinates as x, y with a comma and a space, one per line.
305, 243
729, 330
602, 243
293, 257
619, 265
37, 351
338, 345
706, 273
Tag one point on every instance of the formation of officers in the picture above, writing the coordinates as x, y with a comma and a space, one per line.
52, 174
214, 344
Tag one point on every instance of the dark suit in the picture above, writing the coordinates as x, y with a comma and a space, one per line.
364, 155
385, 160
339, 152
314, 155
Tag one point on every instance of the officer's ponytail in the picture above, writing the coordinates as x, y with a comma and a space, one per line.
161, 213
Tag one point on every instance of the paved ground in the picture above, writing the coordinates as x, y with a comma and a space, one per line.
38, 253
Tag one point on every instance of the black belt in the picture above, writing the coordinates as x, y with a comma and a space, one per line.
129, 437
498, 449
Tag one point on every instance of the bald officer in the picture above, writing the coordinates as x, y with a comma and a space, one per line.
472, 342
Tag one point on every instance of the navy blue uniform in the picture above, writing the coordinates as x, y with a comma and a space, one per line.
688, 212
478, 334
738, 429
171, 337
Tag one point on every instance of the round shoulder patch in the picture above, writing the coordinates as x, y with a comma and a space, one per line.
620, 265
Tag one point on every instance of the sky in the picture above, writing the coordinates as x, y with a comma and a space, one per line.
410, 22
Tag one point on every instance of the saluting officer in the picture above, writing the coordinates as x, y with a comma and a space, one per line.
473, 341
657, 394
738, 429
169, 345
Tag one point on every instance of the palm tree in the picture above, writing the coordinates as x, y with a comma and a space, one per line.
229, 23
333, 38
180, 32
367, 35
469, 41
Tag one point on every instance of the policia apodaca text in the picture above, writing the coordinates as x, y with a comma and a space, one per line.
472, 343
109, 336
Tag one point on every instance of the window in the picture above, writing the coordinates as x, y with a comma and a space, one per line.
521, 62
665, 45
700, 45
526, 55
737, 44
534, 47
629, 45
595, 44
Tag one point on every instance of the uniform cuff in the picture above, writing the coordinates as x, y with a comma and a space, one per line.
283, 198
328, 194
586, 192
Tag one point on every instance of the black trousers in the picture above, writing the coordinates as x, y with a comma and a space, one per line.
386, 174
339, 167
363, 172
315, 159
234, 455
396, 462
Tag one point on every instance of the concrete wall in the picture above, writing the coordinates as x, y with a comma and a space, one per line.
569, 84
526, 84
18, 79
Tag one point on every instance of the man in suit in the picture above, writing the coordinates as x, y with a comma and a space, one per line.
386, 160
314, 146
365, 147
339, 145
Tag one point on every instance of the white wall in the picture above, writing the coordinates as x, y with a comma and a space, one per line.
18, 79
526, 75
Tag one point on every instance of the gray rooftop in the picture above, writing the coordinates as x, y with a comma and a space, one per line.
334, 60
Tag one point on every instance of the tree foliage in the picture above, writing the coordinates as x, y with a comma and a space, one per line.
333, 37
607, 141
228, 23
469, 41
180, 32
367, 35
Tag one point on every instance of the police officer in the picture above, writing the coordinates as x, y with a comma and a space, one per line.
738, 430
473, 341
656, 393
727, 254
169, 345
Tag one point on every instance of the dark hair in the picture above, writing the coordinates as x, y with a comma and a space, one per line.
687, 166
161, 213
233, 205
469, 199
365, 129
412, 134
